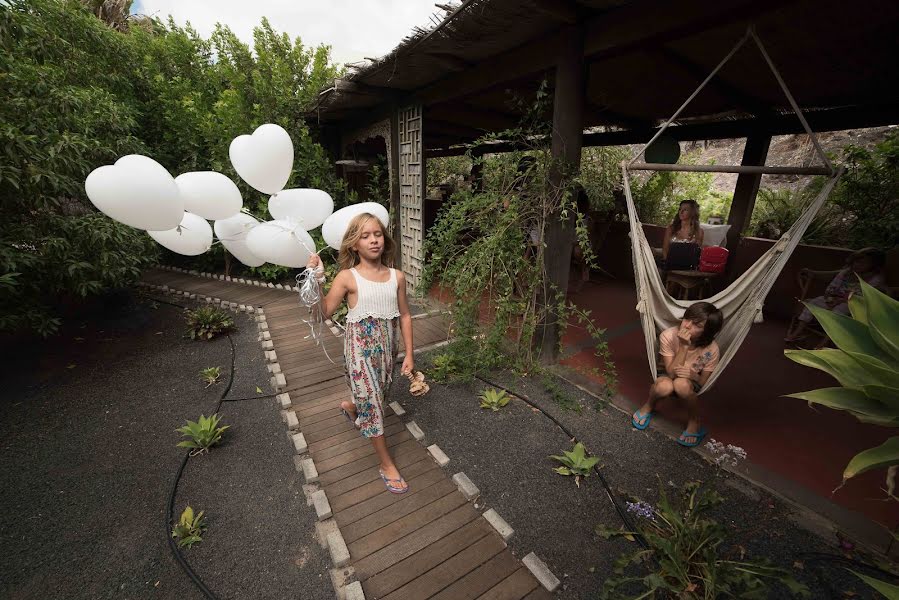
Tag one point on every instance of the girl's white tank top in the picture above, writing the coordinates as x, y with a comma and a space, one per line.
374, 299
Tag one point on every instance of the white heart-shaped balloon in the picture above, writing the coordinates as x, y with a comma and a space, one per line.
282, 243
192, 237
310, 207
264, 160
334, 227
136, 191
232, 233
209, 194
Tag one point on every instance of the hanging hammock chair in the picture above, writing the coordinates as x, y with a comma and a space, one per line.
741, 302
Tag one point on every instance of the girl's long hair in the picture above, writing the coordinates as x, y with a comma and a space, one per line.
694, 218
348, 258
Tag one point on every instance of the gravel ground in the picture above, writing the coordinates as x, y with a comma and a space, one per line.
88, 458
506, 454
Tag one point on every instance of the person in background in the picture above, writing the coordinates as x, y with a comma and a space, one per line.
867, 264
684, 228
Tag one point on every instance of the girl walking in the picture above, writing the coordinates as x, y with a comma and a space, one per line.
376, 296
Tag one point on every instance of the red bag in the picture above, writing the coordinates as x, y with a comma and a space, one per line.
713, 259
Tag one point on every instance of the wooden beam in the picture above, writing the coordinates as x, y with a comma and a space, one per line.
490, 120
835, 119
744, 169
612, 117
567, 131
738, 98
564, 11
342, 86
754, 153
453, 129
616, 32
450, 62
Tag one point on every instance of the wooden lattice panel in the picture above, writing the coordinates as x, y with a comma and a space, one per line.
411, 189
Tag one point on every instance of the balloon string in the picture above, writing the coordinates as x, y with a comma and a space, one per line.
311, 298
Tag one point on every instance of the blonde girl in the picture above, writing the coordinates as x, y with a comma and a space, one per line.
375, 293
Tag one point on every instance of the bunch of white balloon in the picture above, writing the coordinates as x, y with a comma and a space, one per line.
139, 192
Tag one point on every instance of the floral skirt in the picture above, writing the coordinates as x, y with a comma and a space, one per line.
369, 349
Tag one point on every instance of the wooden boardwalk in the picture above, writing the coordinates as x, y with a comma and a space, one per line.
428, 543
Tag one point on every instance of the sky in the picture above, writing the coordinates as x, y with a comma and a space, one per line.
353, 28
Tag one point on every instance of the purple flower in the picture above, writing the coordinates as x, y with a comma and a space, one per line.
641, 509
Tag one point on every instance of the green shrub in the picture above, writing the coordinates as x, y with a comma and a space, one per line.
204, 434
189, 528
494, 399
685, 550
206, 322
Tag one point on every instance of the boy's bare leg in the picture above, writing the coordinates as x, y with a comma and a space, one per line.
684, 390
662, 388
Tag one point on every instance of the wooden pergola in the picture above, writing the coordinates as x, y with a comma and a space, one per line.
617, 69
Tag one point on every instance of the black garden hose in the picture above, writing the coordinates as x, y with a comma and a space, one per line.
170, 506
628, 524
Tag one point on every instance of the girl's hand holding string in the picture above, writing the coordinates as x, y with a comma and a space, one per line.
315, 265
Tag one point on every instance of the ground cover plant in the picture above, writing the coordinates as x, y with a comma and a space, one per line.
202, 434
206, 322
210, 375
575, 462
494, 399
685, 554
190, 528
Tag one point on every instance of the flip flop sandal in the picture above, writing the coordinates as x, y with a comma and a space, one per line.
393, 489
698, 436
349, 418
638, 416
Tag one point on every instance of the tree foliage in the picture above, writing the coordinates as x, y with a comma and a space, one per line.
79, 92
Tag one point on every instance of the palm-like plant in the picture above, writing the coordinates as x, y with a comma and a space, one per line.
866, 364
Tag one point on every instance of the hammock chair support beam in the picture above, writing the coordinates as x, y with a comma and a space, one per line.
755, 153
742, 169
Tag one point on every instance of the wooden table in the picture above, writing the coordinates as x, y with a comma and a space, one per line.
688, 281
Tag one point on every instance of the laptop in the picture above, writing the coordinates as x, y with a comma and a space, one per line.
683, 256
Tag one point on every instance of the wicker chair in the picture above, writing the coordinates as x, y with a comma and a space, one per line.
805, 279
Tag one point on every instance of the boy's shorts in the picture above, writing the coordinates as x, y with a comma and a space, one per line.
696, 385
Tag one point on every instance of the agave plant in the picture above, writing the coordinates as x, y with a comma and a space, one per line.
494, 399
866, 364
203, 434
575, 462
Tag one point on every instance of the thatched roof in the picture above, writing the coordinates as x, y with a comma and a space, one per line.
643, 58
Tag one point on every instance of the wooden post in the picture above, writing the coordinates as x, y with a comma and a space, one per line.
754, 154
568, 111
394, 174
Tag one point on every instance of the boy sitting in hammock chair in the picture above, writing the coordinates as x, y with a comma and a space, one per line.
690, 354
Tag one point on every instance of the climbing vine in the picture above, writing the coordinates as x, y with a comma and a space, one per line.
486, 251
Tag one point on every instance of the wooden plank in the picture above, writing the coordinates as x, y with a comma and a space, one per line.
370, 474
339, 449
427, 558
484, 577
453, 569
360, 464
415, 541
410, 503
373, 488
539, 593
349, 434
326, 465
415, 520
514, 587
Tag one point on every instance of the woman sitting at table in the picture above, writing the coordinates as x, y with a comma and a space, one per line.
684, 228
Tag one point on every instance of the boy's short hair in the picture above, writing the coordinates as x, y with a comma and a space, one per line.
708, 313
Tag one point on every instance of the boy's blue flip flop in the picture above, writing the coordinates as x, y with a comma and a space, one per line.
638, 416
698, 436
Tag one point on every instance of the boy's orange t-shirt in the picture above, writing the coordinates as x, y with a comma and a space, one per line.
698, 359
